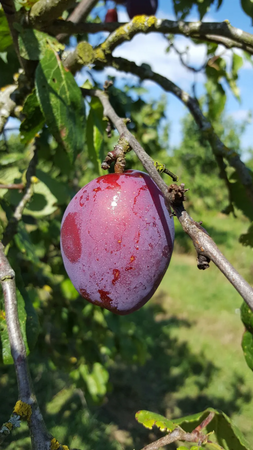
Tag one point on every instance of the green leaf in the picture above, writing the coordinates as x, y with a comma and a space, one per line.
216, 99
6, 39
9, 175
247, 238
96, 380
33, 44
43, 202
59, 190
34, 120
28, 325
237, 63
32, 320
149, 419
9, 65
62, 104
247, 317
95, 134
247, 7
247, 346
10, 158
226, 432
24, 244
239, 195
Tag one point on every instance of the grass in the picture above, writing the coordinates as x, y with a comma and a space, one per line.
196, 360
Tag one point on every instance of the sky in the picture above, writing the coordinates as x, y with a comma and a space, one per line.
151, 49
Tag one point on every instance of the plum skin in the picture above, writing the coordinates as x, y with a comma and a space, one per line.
117, 240
140, 7
111, 16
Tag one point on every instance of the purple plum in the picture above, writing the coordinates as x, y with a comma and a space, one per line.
117, 240
140, 7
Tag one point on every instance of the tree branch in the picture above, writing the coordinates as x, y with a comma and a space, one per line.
174, 196
180, 435
44, 11
19, 186
219, 32
40, 438
79, 14
219, 149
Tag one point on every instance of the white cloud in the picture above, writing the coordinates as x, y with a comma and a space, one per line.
240, 114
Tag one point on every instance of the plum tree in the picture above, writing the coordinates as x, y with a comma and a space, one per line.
138, 7
117, 240
111, 15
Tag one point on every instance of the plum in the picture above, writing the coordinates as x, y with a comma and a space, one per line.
140, 7
116, 240
111, 15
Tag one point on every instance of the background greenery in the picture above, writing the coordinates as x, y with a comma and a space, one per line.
93, 370
179, 354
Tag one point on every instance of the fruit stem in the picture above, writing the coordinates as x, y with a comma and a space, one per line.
118, 155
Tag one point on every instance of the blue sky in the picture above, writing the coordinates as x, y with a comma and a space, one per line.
151, 49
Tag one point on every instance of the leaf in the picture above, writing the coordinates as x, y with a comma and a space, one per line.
226, 432
239, 195
216, 99
96, 380
9, 175
247, 238
149, 419
24, 244
94, 134
6, 39
62, 104
32, 320
247, 317
247, 7
9, 65
28, 325
10, 158
247, 346
34, 120
237, 63
33, 44
59, 190
43, 202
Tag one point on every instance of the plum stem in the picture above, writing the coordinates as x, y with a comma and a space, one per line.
118, 155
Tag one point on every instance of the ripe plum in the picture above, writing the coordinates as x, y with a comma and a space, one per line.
116, 240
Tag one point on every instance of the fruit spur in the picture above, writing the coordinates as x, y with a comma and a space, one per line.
117, 240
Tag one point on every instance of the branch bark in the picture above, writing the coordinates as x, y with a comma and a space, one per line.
219, 32
44, 11
205, 246
41, 439
79, 14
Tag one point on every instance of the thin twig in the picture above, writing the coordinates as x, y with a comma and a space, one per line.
19, 186
180, 435
11, 228
40, 438
174, 197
